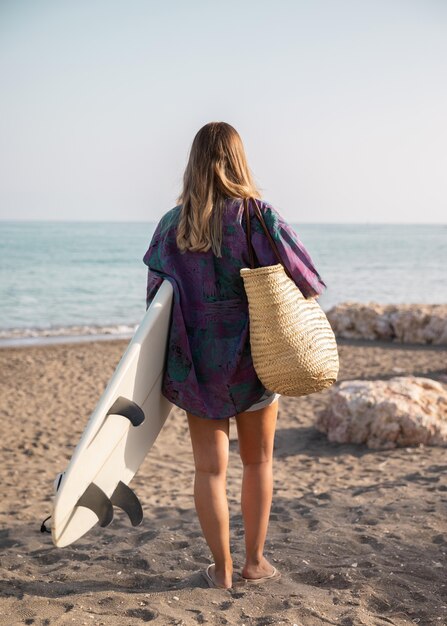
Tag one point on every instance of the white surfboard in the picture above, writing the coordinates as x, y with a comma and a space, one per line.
120, 432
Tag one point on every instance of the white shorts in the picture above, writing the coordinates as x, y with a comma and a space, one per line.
266, 399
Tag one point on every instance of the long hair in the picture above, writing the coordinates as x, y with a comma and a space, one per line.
217, 169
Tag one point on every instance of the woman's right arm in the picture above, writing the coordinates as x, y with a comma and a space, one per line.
152, 259
153, 284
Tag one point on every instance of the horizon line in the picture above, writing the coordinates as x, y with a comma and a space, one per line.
87, 221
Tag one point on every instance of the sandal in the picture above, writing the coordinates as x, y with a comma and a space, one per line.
275, 575
237, 579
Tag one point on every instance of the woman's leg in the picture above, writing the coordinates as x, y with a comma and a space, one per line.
210, 444
256, 433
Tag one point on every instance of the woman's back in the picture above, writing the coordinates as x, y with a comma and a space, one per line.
209, 367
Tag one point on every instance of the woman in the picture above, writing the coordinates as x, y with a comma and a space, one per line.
200, 247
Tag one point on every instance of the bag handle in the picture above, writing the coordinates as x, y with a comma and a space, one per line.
272, 243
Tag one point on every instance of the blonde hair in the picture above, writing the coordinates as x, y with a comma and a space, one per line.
217, 168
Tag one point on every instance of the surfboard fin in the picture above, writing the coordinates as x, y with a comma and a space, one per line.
127, 408
124, 498
96, 500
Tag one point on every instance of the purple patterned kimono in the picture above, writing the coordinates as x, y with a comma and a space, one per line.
209, 370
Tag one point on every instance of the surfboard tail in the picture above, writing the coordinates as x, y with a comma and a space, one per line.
126, 499
123, 497
97, 501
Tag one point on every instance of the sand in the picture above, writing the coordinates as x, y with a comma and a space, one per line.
360, 536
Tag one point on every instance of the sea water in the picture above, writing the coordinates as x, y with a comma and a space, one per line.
88, 278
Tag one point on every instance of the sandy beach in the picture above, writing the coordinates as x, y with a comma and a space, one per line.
359, 535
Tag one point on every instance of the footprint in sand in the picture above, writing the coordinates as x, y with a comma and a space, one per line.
145, 615
372, 541
321, 578
420, 478
149, 535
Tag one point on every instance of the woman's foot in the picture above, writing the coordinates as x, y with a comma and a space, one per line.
220, 578
258, 570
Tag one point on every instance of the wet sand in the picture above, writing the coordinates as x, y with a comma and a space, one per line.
360, 536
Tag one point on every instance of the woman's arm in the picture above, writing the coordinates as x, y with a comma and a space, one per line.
152, 259
293, 252
153, 284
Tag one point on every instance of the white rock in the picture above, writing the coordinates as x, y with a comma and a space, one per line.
401, 411
403, 323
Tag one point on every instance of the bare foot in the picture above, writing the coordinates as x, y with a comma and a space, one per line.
221, 578
264, 568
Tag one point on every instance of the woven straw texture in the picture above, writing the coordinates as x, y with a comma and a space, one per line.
293, 346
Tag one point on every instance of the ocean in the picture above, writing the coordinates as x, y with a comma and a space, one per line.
87, 279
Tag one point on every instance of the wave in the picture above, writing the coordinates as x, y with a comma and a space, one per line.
60, 334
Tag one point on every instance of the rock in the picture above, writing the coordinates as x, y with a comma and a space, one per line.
403, 323
401, 411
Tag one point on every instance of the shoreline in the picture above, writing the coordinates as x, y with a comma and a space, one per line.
397, 324
59, 340
28, 342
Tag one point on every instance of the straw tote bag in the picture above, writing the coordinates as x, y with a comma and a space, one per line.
293, 346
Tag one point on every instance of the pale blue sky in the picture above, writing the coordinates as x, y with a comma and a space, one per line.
341, 104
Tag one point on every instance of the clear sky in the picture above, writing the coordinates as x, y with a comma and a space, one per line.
341, 104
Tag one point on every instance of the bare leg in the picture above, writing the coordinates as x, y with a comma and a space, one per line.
256, 432
210, 444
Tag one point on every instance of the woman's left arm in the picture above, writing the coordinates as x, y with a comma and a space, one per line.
293, 253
